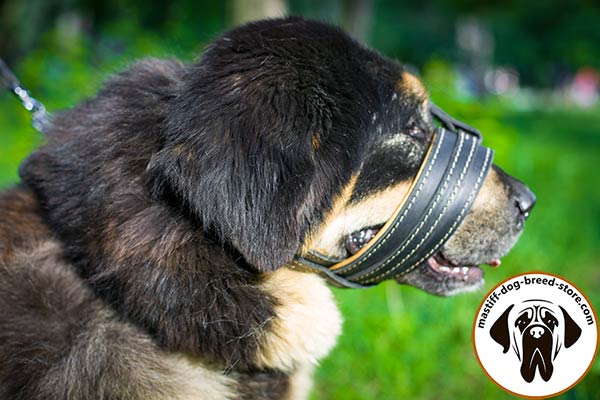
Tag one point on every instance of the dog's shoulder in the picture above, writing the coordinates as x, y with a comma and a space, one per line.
59, 340
21, 226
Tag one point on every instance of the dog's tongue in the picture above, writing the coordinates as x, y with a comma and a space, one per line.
494, 263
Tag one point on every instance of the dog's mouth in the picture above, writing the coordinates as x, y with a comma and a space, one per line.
440, 264
437, 275
359, 239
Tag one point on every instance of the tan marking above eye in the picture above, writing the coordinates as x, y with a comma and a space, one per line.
409, 83
346, 218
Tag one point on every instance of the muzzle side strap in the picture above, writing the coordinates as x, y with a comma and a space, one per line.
322, 259
409, 213
434, 211
489, 155
438, 231
303, 264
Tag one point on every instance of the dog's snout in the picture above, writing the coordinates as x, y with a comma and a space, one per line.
524, 198
521, 196
536, 332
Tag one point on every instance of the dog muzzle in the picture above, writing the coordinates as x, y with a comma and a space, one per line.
440, 196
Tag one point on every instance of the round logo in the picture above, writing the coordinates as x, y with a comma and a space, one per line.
535, 335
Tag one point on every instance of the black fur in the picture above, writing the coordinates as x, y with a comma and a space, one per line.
57, 341
247, 115
141, 255
177, 186
229, 140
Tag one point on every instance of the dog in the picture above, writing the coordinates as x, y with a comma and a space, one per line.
538, 329
145, 253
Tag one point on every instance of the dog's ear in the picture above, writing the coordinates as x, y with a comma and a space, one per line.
500, 332
240, 155
572, 330
263, 131
254, 196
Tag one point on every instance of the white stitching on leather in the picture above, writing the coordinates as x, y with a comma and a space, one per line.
431, 208
444, 209
470, 199
409, 206
458, 218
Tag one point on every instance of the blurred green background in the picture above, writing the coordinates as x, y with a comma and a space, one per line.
524, 73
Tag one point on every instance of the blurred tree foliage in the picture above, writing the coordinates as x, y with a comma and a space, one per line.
543, 40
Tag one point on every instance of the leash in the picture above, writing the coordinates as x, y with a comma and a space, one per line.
441, 195
39, 116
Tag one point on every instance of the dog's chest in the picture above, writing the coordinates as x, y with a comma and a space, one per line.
305, 328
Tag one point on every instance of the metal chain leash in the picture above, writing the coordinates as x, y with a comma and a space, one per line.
37, 109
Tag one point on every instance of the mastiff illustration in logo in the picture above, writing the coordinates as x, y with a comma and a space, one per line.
537, 330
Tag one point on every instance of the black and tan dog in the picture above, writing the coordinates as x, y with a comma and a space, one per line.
538, 330
144, 255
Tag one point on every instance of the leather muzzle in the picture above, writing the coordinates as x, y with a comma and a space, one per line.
440, 196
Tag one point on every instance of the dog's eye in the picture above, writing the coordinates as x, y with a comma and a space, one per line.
522, 321
549, 319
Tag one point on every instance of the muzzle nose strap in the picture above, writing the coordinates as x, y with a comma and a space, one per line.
452, 123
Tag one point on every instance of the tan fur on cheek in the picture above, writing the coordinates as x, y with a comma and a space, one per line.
307, 321
338, 207
373, 210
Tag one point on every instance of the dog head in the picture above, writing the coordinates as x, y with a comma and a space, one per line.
537, 330
285, 136
310, 141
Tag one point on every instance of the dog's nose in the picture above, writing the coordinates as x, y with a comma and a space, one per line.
536, 332
524, 198
521, 196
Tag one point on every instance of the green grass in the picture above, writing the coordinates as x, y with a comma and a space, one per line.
398, 342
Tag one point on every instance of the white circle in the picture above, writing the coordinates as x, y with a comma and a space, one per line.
535, 334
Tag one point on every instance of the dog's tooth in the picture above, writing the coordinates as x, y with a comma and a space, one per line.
455, 270
465, 270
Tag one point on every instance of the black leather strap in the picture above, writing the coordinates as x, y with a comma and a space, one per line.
450, 122
445, 212
443, 192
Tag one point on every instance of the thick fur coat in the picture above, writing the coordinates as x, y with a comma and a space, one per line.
143, 255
